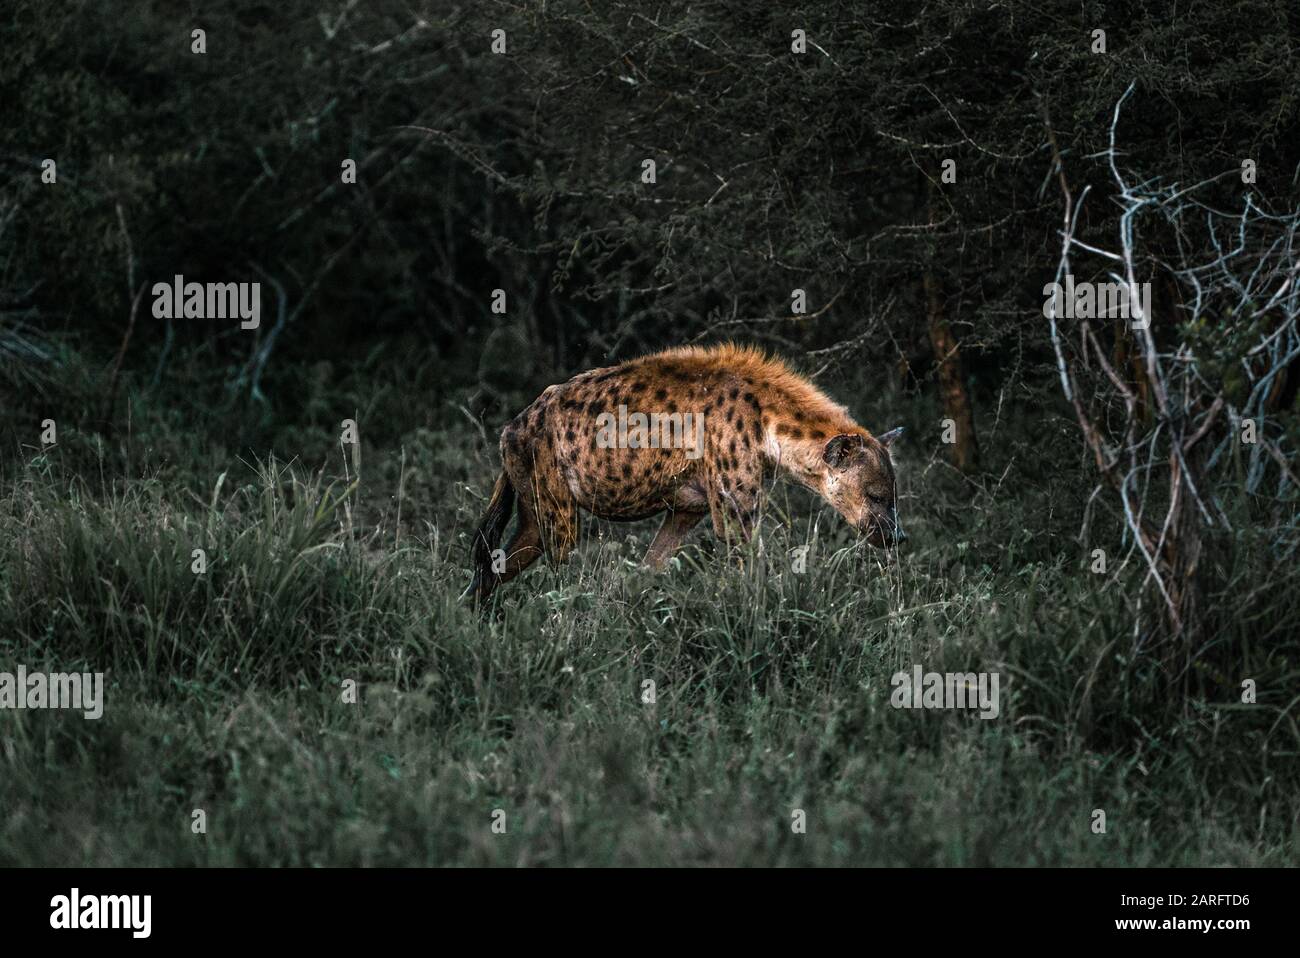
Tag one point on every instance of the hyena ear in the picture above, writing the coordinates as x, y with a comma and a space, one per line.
888, 437
840, 450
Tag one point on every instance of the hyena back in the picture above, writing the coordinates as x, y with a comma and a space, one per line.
690, 432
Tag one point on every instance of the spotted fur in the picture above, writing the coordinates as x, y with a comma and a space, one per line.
760, 418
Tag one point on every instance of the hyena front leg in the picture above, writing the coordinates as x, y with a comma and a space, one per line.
735, 515
734, 497
677, 525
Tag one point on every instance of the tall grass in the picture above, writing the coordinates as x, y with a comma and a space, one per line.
226, 689
771, 686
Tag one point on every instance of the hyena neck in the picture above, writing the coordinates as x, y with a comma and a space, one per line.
797, 419
798, 450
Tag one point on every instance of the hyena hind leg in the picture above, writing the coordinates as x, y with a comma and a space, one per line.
559, 523
523, 549
525, 545
550, 503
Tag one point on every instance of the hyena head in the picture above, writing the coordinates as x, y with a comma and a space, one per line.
861, 485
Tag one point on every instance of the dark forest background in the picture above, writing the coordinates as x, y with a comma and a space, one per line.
522, 172
776, 171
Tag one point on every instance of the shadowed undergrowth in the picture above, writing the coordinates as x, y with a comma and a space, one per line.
225, 690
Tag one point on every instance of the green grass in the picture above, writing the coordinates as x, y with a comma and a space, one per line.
225, 690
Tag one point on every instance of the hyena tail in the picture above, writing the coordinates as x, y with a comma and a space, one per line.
487, 538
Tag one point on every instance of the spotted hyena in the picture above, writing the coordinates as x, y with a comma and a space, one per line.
689, 432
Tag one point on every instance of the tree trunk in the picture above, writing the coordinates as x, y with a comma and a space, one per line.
952, 381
